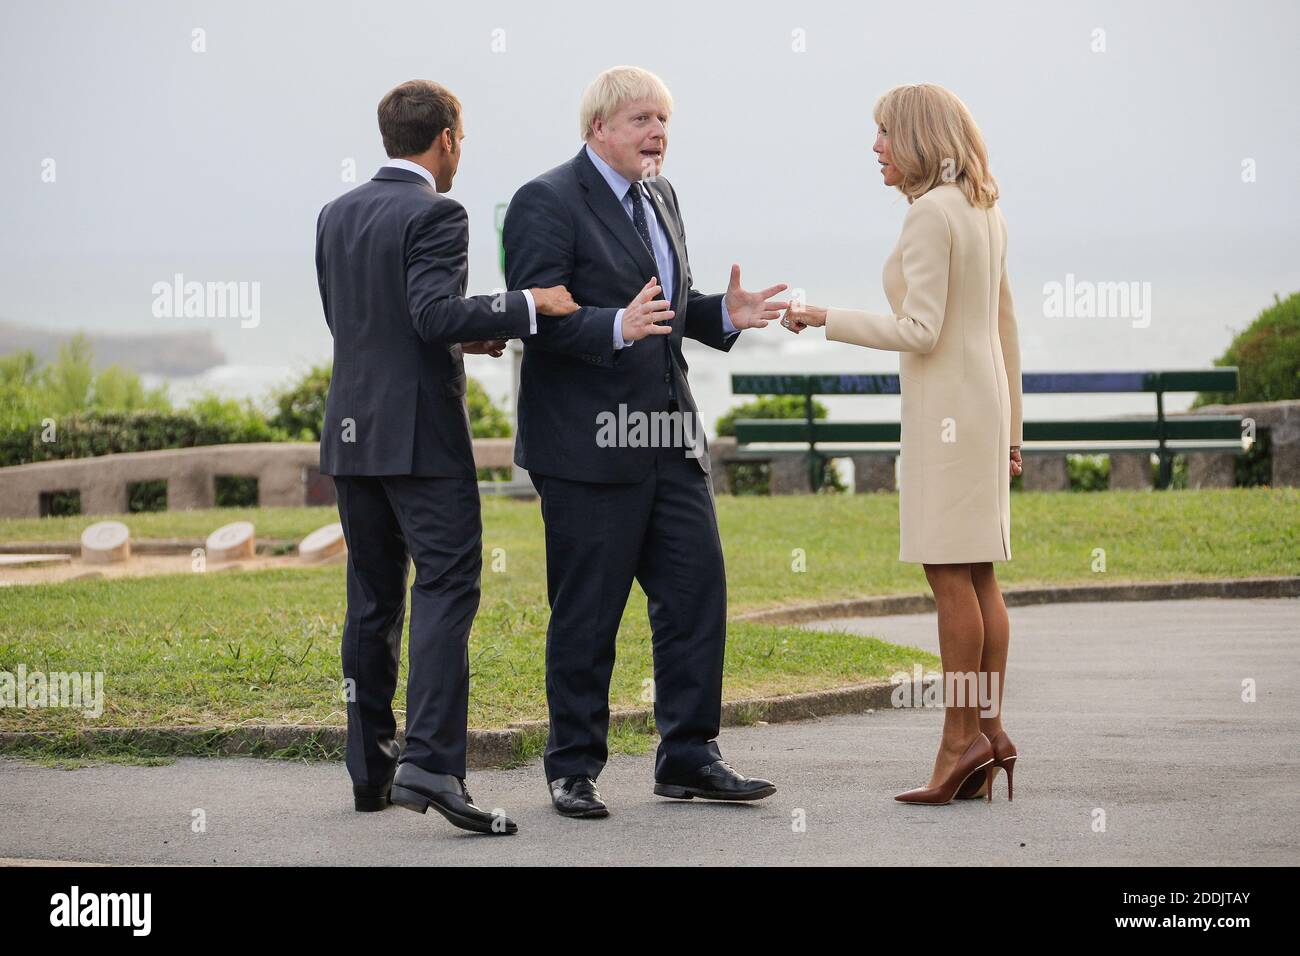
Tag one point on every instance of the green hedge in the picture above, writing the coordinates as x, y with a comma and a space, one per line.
106, 433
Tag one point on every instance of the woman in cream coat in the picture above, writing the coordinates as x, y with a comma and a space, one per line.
954, 326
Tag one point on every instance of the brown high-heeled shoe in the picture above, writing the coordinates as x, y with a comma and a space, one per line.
977, 756
980, 783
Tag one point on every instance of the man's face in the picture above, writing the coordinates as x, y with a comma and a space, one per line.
449, 157
634, 140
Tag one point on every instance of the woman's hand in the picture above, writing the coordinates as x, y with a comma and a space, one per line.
800, 316
1017, 466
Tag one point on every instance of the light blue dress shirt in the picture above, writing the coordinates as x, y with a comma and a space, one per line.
662, 247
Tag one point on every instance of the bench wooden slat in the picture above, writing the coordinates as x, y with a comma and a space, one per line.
752, 453
749, 431
1032, 383
1203, 380
1191, 428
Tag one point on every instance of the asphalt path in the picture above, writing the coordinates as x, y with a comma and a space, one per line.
1136, 748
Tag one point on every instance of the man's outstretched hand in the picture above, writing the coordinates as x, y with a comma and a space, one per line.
752, 310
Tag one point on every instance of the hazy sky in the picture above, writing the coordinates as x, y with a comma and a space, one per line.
1122, 165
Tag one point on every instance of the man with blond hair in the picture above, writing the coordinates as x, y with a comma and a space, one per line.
621, 501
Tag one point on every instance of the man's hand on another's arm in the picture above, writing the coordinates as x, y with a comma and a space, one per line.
554, 301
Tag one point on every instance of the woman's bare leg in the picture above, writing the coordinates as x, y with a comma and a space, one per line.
961, 640
997, 638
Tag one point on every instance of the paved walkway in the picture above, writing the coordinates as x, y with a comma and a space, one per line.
1131, 709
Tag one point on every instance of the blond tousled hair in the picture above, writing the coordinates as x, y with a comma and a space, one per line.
616, 86
933, 139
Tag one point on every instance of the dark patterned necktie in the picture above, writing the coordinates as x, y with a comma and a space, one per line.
639, 220
643, 230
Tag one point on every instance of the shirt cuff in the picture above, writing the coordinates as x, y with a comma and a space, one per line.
532, 312
618, 331
727, 327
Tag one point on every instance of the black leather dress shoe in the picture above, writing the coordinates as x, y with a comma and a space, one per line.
577, 797
370, 799
417, 789
715, 781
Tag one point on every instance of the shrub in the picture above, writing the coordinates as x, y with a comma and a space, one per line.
1088, 472
768, 406
754, 478
146, 496
300, 408
235, 491
1267, 353
485, 419
31, 393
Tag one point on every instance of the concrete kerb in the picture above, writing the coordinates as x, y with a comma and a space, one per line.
1261, 587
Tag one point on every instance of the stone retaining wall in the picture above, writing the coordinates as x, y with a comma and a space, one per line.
287, 473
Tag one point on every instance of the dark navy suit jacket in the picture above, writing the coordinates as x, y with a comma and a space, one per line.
392, 260
566, 227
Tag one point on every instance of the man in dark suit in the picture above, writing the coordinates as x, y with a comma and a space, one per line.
392, 263
611, 436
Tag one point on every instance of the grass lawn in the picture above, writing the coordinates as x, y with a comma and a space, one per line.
263, 646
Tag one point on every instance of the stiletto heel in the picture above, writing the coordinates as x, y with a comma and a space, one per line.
980, 783
1005, 756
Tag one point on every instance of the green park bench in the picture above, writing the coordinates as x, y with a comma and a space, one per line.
821, 440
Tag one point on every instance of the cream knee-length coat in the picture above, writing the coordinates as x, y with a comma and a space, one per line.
955, 326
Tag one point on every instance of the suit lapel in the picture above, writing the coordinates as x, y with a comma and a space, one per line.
668, 218
601, 200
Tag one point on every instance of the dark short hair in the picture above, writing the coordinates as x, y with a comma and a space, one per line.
413, 115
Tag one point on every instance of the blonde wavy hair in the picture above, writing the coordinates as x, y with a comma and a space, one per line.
933, 139
616, 86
